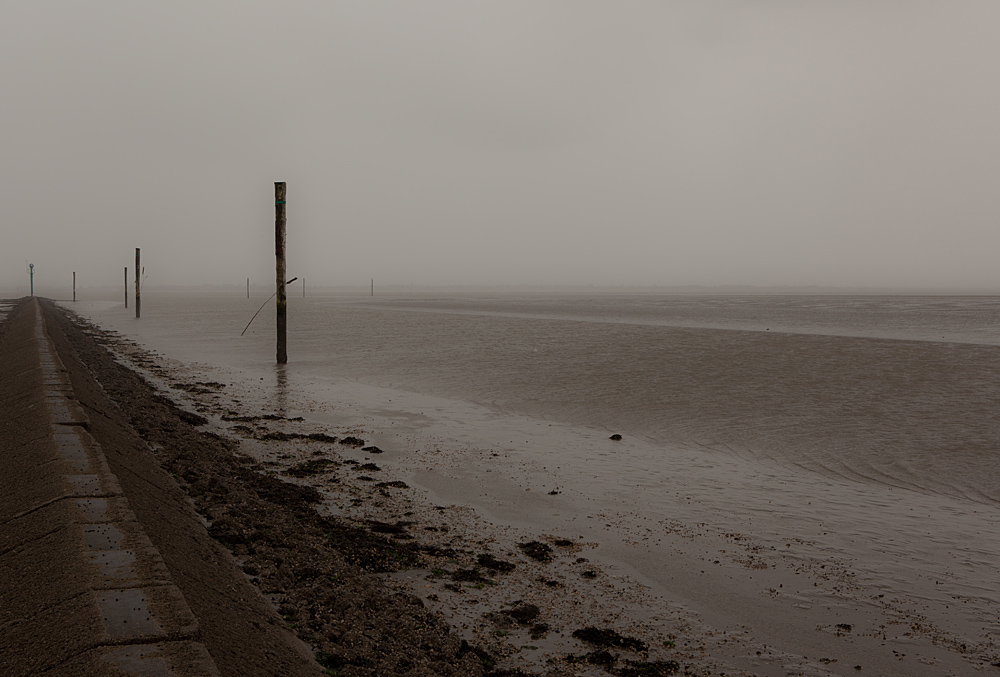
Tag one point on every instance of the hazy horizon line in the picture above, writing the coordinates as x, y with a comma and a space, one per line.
403, 289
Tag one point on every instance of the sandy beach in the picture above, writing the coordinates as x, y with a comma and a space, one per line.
740, 576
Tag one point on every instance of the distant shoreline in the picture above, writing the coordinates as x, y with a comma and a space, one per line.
111, 293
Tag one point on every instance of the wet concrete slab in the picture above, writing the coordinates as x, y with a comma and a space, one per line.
43, 573
126, 615
97, 509
48, 636
26, 484
102, 536
37, 524
123, 556
162, 659
80, 576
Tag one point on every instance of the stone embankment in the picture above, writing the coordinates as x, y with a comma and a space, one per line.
106, 568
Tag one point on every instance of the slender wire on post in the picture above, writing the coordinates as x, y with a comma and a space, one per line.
262, 307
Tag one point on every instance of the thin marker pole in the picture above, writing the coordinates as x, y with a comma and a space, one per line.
303, 287
138, 274
74, 286
248, 287
373, 287
126, 287
31, 277
279, 268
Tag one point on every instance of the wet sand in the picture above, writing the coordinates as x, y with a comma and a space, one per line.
754, 560
748, 569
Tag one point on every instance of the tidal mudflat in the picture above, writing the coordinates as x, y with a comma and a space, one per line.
709, 552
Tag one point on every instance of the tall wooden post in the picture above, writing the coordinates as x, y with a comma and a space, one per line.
74, 286
31, 277
373, 287
126, 287
138, 274
303, 287
248, 287
279, 267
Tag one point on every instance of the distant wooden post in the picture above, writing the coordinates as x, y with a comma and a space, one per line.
126, 287
248, 287
74, 286
31, 277
373, 287
279, 268
138, 274
303, 287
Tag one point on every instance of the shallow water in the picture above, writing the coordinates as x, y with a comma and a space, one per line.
815, 383
851, 437
899, 391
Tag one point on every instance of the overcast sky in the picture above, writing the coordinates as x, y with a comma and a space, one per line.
840, 142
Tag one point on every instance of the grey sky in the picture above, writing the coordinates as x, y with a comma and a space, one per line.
541, 142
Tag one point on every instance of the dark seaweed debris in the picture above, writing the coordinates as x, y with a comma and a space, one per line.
488, 561
314, 467
607, 638
602, 658
541, 552
470, 576
523, 614
651, 669
196, 388
190, 418
233, 416
285, 437
372, 551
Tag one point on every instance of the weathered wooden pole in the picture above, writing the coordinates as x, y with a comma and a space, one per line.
31, 277
126, 287
74, 286
373, 287
248, 287
138, 274
279, 268
303, 287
